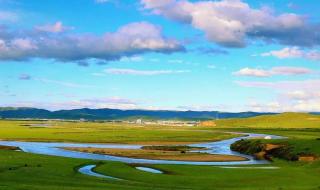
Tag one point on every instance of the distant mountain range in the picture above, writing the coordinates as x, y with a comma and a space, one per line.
117, 114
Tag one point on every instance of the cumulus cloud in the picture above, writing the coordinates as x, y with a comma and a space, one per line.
108, 102
265, 107
113, 102
304, 100
300, 96
132, 59
293, 52
129, 40
274, 71
53, 28
142, 72
231, 23
204, 108
252, 72
303, 95
294, 106
94, 103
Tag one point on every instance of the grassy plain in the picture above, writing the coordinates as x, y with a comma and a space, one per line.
302, 130
24, 171
94, 132
279, 121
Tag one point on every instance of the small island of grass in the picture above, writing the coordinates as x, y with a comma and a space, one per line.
178, 153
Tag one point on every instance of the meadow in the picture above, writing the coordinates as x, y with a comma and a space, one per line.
97, 132
24, 171
302, 130
20, 170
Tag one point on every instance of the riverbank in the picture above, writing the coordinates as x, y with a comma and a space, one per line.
160, 154
211, 153
265, 150
2, 147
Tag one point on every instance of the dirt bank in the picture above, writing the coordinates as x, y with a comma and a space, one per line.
161, 154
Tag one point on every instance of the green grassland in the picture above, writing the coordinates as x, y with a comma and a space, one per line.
92, 132
302, 130
301, 140
24, 171
285, 120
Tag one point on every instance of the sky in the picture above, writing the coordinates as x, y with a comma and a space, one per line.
224, 55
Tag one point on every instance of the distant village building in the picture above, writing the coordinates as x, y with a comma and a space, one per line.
163, 122
177, 123
139, 121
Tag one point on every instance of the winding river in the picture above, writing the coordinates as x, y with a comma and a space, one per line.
88, 170
218, 147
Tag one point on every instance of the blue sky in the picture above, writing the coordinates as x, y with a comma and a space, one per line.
228, 55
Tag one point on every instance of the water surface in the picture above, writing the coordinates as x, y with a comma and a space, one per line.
151, 170
88, 170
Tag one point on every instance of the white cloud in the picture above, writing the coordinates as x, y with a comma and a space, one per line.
109, 102
203, 108
128, 41
118, 71
290, 71
307, 106
93, 103
293, 52
53, 28
233, 22
252, 72
274, 71
303, 95
293, 96
132, 59
23, 44
312, 105
114, 102
264, 107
